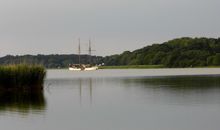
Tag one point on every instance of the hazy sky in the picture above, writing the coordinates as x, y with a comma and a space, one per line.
53, 26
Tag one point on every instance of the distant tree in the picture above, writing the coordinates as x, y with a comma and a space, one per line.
181, 52
49, 61
216, 60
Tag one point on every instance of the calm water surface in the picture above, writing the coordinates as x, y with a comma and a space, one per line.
161, 99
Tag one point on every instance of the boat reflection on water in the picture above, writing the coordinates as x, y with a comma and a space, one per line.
88, 87
82, 88
22, 102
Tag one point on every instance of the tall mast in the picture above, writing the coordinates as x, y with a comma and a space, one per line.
90, 52
79, 51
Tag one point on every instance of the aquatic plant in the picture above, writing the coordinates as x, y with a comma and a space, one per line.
22, 76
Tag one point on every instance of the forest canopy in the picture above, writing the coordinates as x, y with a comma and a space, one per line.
181, 52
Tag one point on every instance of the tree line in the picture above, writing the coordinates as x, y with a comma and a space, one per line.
181, 52
50, 61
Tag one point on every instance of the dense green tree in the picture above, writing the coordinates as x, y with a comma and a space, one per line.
216, 60
49, 61
182, 52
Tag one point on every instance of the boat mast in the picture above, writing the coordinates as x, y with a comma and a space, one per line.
79, 51
90, 52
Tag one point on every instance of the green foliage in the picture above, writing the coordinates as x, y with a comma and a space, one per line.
214, 60
22, 77
49, 61
182, 52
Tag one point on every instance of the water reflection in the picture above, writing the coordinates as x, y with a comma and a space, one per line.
187, 90
186, 83
22, 102
81, 87
89, 85
181, 102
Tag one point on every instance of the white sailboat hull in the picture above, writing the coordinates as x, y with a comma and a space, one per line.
84, 69
74, 69
91, 68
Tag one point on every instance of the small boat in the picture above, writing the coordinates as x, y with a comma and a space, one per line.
75, 67
83, 67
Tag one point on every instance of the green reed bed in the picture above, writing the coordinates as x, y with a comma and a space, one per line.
22, 77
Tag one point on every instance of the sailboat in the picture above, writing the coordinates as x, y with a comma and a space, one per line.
83, 67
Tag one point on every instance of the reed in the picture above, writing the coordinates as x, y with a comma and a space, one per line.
22, 77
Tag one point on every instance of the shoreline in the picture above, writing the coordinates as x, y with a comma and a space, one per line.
139, 67
150, 67
123, 73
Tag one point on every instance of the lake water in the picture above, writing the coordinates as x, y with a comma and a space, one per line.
131, 99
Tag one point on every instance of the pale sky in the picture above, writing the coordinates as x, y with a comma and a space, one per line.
53, 26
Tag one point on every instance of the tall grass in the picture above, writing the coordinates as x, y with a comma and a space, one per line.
22, 76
